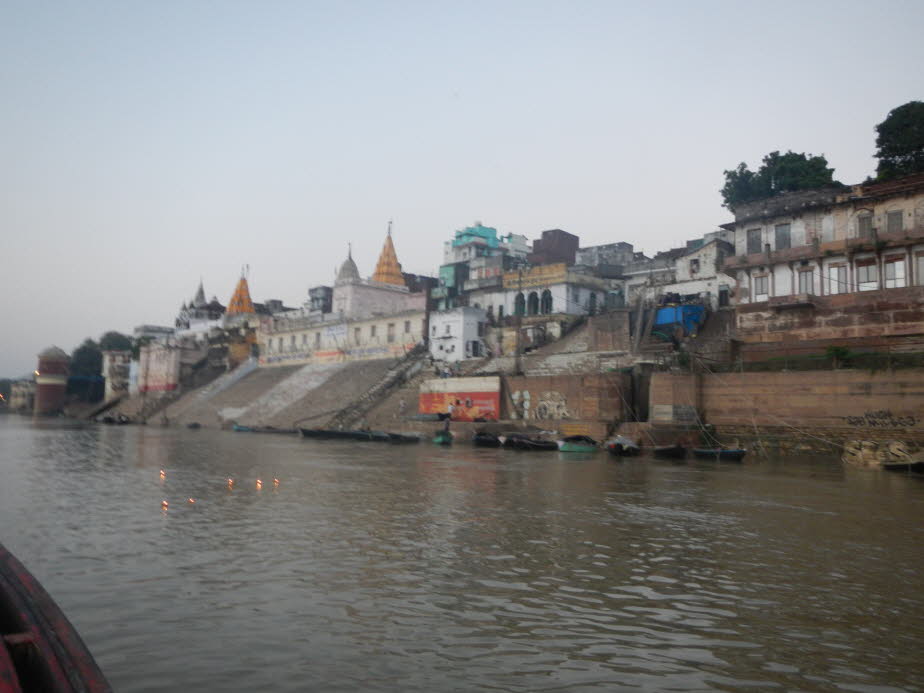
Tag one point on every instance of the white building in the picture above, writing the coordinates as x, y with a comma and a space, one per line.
457, 334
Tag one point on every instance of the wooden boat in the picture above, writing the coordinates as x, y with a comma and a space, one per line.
486, 440
442, 438
620, 446
727, 454
241, 428
403, 438
41, 651
673, 452
577, 444
194, 425
520, 441
910, 466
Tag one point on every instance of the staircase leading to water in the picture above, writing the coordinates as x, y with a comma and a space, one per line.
395, 378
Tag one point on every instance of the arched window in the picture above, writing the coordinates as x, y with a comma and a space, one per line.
519, 305
546, 303
532, 306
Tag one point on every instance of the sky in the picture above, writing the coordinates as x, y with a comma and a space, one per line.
146, 145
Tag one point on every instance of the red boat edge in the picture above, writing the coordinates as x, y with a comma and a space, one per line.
41, 650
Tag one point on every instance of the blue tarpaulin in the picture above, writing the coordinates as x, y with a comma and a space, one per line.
688, 316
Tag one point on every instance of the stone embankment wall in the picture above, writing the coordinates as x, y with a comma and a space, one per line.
878, 320
803, 411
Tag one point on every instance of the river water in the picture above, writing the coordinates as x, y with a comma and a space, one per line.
415, 568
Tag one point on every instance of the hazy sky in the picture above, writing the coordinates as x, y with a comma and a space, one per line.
146, 144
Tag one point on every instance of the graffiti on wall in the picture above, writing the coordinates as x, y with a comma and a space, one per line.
882, 418
872, 453
550, 404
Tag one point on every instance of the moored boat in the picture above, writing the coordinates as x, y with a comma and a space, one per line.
577, 444
620, 446
241, 428
442, 438
727, 454
673, 452
403, 438
486, 440
521, 441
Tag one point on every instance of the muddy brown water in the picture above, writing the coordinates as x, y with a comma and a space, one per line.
416, 568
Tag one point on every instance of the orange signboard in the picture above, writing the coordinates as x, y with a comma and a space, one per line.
470, 398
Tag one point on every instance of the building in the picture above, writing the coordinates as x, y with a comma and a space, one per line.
116, 371
371, 318
152, 332
22, 396
458, 334
199, 315
553, 247
834, 266
51, 381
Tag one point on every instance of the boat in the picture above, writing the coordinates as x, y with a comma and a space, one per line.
620, 446
41, 651
241, 428
577, 444
727, 454
442, 438
673, 452
194, 425
910, 466
403, 438
486, 440
521, 441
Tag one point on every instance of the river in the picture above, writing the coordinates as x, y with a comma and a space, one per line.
372, 567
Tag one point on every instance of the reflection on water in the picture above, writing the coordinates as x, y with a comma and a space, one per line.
379, 568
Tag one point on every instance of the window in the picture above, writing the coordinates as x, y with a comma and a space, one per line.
356, 335
894, 272
391, 333
532, 304
867, 276
280, 345
694, 266
519, 304
760, 288
753, 241
546, 302
407, 327
919, 268
317, 340
837, 279
865, 226
806, 283
304, 339
372, 330
894, 221
500, 313
723, 296
292, 342
783, 239
476, 348
447, 329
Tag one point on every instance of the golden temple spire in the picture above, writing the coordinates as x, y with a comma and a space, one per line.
240, 302
388, 269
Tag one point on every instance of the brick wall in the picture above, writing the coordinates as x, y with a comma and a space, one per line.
600, 397
875, 320
835, 405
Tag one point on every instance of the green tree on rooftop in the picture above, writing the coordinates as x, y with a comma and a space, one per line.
900, 142
778, 173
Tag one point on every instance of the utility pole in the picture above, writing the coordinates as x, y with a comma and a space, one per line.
518, 368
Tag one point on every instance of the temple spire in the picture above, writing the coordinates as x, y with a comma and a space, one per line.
240, 302
388, 269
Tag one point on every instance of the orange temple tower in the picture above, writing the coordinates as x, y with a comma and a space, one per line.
388, 269
240, 303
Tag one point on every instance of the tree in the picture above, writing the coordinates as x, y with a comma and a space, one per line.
87, 359
115, 341
900, 142
778, 173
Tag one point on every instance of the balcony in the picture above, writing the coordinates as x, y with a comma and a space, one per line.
495, 282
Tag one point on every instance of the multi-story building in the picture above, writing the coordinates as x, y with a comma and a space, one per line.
375, 318
834, 265
458, 334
